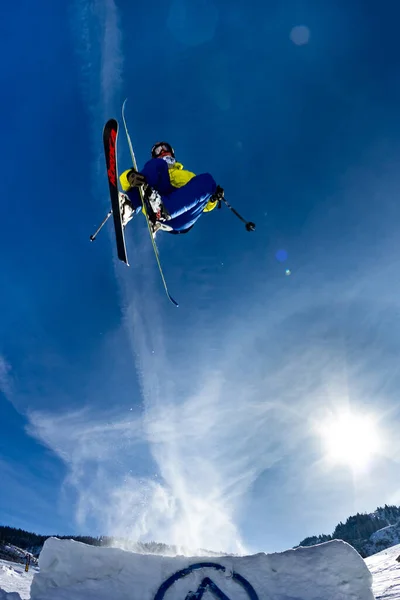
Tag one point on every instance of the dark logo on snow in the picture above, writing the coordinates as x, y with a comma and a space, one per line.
206, 584
112, 169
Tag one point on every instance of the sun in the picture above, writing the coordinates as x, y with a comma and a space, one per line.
350, 439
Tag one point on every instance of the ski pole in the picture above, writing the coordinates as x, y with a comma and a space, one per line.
94, 235
250, 226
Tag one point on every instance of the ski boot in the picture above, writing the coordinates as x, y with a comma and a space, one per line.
126, 208
157, 226
160, 213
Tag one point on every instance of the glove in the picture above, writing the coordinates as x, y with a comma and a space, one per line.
135, 179
219, 194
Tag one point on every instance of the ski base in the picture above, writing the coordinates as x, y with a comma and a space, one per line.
110, 136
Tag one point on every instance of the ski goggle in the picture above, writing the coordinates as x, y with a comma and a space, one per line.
162, 149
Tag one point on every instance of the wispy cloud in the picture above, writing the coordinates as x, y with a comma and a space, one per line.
212, 428
213, 440
101, 64
93, 445
245, 410
220, 409
5, 377
16, 484
209, 443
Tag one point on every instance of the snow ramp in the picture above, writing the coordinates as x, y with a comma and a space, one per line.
71, 570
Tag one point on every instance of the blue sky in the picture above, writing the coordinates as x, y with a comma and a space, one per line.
120, 414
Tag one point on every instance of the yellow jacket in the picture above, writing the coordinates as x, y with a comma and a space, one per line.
178, 177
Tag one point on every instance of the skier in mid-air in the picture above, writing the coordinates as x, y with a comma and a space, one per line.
173, 198
177, 197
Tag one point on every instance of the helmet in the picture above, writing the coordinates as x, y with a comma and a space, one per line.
161, 149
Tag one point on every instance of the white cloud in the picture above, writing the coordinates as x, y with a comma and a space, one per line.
211, 431
5, 377
101, 81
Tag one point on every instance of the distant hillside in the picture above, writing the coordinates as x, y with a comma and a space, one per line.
383, 539
14, 554
367, 533
33, 543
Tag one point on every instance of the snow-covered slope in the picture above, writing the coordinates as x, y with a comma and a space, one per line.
383, 539
15, 554
15, 583
386, 573
73, 571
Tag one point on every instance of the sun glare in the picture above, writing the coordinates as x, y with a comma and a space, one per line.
350, 439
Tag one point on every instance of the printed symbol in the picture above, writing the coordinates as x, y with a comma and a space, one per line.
206, 584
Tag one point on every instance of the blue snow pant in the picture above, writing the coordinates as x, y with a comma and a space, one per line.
184, 204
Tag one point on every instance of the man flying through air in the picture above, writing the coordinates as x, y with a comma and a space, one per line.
177, 197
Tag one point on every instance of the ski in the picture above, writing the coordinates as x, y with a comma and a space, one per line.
110, 136
144, 210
